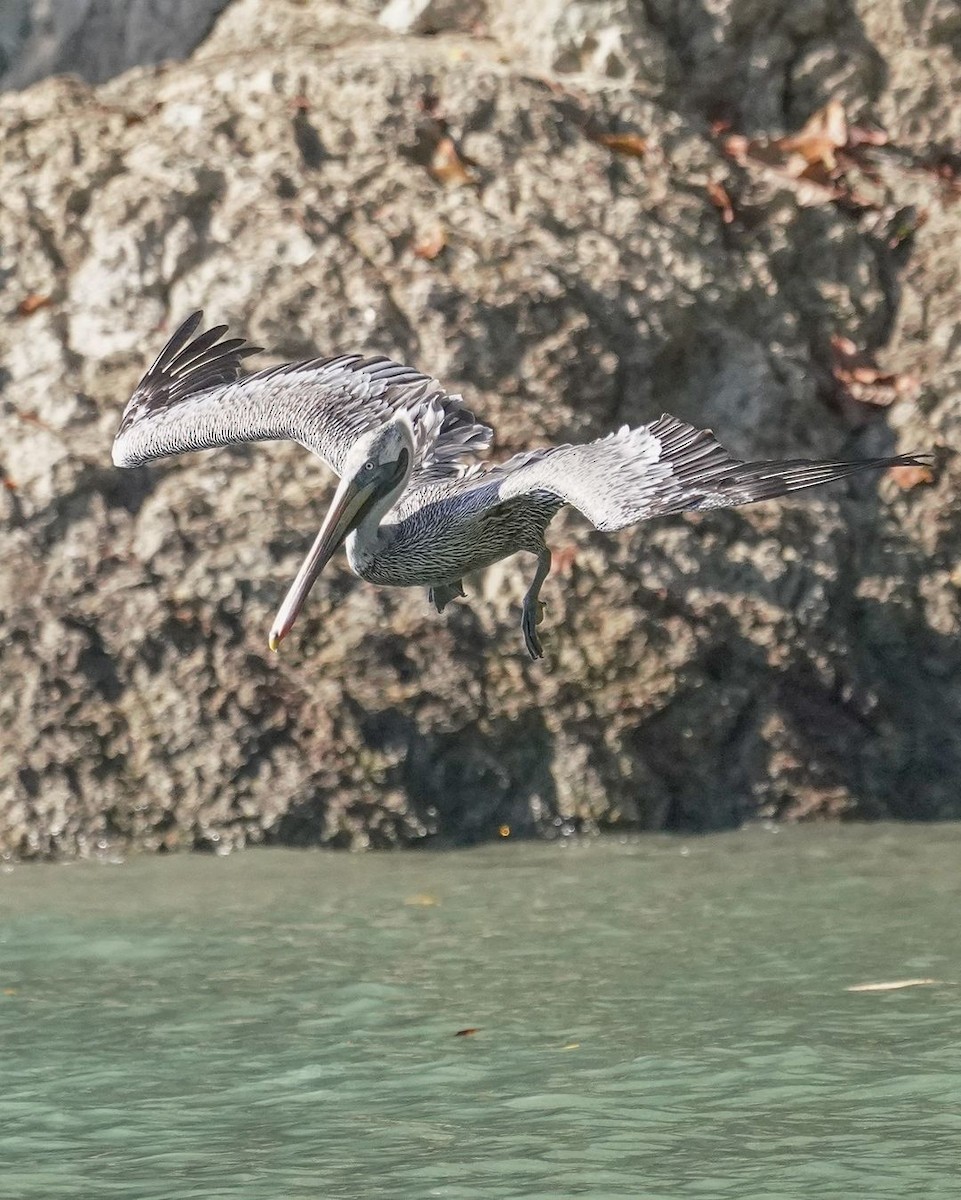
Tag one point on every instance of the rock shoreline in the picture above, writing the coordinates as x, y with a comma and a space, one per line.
568, 266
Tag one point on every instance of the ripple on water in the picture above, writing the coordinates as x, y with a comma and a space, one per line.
648, 1023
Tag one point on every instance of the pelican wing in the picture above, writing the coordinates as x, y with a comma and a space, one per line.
193, 398
665, 467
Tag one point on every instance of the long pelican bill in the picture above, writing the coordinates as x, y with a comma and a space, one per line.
346, 512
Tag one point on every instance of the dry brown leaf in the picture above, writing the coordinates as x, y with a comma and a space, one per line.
877, 394
719, 197
448, 165
431, 245
31, 418
436, 148
821, 135
860, 135
630, 144
863, 380
31, 303
131, 116
812, 161
911, 477
738, 147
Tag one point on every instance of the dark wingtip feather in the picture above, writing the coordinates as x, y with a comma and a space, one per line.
771, 479
177, 340
188, 364
924, 459
706, 476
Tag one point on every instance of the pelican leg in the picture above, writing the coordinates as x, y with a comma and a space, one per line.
441, 596
533, 612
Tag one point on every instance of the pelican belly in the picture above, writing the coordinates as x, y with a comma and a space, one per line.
439, 545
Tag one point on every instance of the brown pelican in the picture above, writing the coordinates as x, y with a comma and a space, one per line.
413, 505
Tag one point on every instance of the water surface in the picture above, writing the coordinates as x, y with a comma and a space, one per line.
654, 1018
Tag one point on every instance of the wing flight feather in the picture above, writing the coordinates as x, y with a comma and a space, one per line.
665, 467
193, 398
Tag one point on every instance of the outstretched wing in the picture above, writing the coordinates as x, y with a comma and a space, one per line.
193, 398
665, 467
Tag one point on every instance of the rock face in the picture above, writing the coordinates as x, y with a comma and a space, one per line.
564, 261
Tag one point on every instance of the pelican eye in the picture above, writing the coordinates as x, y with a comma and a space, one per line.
368, 466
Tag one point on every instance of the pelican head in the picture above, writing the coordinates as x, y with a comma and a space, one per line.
375, 472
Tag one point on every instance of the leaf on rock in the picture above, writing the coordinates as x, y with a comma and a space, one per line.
860, 135
447, 164
718, 195
29, 417
911, 477
429, 246
738, 147
812, 162
817, 142
436, 148
630, 144
32, 303
862, 379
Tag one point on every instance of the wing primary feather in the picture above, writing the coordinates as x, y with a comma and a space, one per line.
193, 397
198, 347
176, 342
661, 468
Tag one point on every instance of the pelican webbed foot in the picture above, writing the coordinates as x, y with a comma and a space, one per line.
441, 596
533, 612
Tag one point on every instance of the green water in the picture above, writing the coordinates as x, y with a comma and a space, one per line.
656, 1018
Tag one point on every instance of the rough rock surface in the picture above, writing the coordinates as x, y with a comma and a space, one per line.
793, 659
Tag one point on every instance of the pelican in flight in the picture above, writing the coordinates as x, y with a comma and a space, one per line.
414, 505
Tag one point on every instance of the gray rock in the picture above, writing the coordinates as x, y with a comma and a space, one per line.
97, 39
794, 659
608, 38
